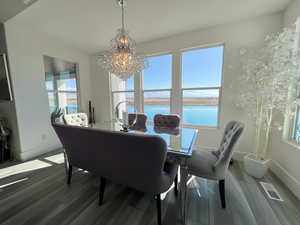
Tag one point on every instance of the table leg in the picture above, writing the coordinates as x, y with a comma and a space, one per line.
183, 191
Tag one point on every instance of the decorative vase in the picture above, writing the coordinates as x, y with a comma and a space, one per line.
255, 167
122, 116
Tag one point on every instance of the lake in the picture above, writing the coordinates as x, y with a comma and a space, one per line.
193, 115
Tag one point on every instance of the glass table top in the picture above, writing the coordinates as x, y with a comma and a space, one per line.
179, 140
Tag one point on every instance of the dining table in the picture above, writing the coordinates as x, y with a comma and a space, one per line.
180, 142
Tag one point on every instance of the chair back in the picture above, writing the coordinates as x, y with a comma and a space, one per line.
140, 123
135, 160
169, 121
232, 132
76, 119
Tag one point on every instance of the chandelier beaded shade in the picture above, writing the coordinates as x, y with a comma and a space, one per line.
122, 60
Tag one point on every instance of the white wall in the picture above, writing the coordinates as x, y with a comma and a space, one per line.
286, 157
291, 13
249, 33
7, 109
26, 49
100, 91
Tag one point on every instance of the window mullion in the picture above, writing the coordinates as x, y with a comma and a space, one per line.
55, 88
176, 84
138, 94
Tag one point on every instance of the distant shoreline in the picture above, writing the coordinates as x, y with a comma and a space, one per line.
186, 101
166, 101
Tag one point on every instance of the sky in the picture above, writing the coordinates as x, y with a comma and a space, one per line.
200, 68
70, 83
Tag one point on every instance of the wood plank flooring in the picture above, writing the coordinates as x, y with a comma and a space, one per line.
40, 195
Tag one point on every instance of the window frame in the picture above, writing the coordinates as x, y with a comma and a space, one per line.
112, 107
219, 107
295, 122
182, 89
56, 92
143, 91
289, 130
176, 90
154, 90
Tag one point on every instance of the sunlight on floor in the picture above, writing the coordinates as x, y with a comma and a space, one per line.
23, 167
58, 158
14, 182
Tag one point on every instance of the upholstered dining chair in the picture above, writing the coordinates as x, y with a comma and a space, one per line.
214, 164
76, 119
137, 121
166, 120
131, 159
167, 123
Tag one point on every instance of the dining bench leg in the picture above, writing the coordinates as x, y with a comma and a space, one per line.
70, 173
176, 185
102, 189
222, 193
158, 205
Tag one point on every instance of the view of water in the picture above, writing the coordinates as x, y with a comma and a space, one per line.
71, 108
195, 115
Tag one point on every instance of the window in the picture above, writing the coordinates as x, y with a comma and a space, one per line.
61, 85
201, 83
157, 83
187, 83
296, 133
291, 129
122, 91
292, 132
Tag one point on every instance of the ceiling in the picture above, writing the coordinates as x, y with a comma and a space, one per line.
10, 8
91, 24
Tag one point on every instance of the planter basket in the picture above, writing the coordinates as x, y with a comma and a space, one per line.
254, 167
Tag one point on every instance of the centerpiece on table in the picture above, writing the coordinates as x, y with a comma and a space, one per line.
122, 116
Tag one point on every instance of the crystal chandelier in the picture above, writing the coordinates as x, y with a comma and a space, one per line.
122, 60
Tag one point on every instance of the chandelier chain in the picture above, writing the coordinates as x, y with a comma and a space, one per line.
122, 5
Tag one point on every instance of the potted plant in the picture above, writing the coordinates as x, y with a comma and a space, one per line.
267, 86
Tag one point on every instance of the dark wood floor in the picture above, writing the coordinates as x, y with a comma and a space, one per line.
41, 196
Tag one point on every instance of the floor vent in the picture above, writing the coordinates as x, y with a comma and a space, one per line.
271, 191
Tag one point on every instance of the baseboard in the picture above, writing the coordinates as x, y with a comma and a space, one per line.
29, 154
291, 182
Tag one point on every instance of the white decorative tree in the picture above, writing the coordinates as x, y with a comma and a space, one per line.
268, 84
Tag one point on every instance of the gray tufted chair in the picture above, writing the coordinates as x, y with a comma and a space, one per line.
140, 123
214, 164
169, 121
76, 119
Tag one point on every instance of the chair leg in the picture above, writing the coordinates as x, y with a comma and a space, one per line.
176, 185
158, 205
66, 162
102, 189
222, 193
70, 173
